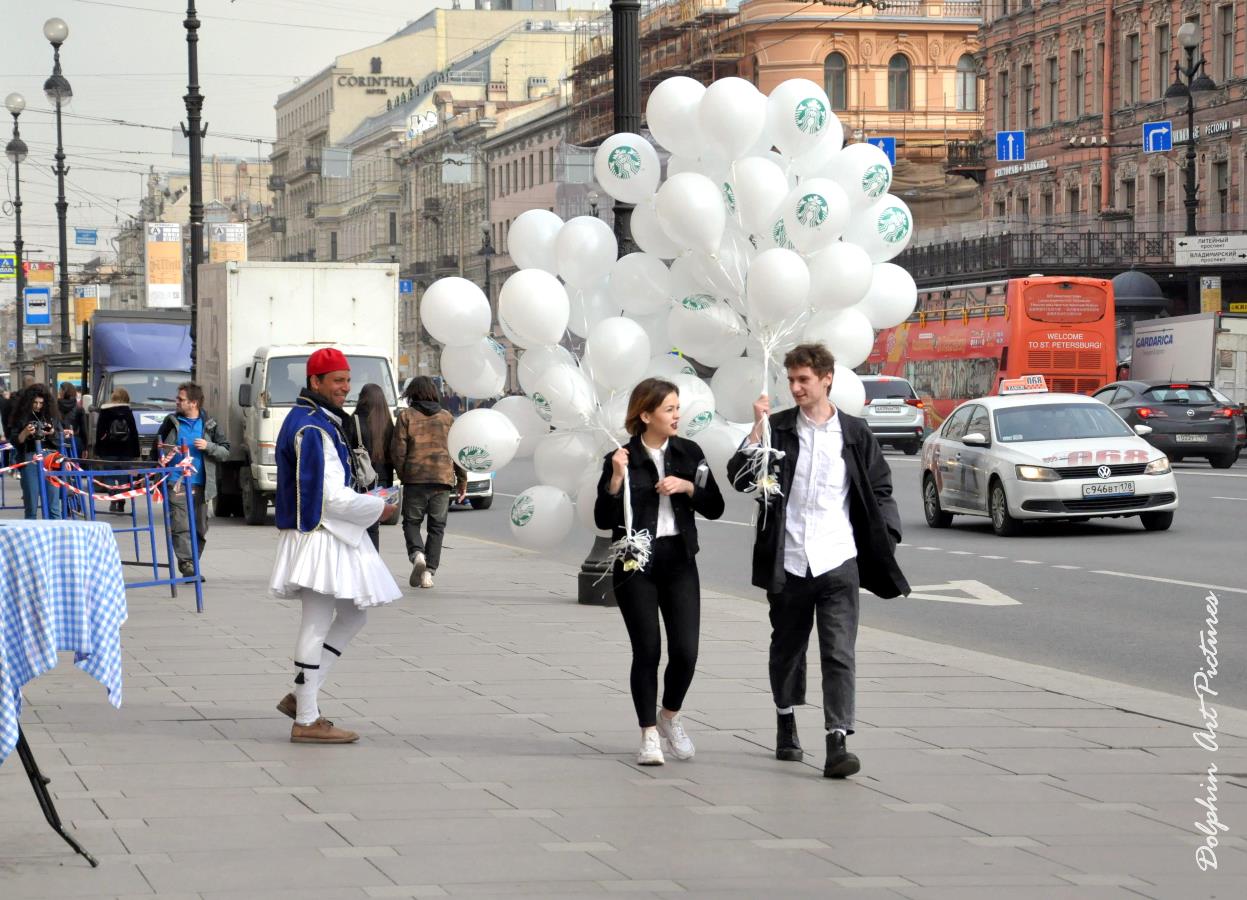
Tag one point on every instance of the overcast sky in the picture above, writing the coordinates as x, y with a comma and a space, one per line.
126, 60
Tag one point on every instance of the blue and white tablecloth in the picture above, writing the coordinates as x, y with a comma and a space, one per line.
61, 589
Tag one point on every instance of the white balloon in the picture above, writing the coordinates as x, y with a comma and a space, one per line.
892, 297
483, 440
668, 366
696, 405
541, 517
815, 213
590, 305
761, 186
720, 441
617, 353
883, 230
847, 334
799, 116
863, 171
534, 363
611, 416
640, 283
647, 233
779, 287
705, 328
678, 164
566, 396
534, 306
586, 249
562, 456
736, 385
530, 240
847, 393
656, 327
671, 113
455, 311
839, 276
627, 167
586, 498
821, 158
690, 210
524, 417
476, 370
732, 114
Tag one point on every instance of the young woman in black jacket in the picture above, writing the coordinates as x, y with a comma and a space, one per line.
117, 436
668, 481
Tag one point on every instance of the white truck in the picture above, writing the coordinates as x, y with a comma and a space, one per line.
258, 323
1209, 348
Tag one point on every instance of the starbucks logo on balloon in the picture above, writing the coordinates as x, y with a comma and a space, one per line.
475, 459
779, 234
697, 302
811, 115
522, 510
893, 224
624, 162
811, 210
729, 197
543, 406
875, 181
700, 422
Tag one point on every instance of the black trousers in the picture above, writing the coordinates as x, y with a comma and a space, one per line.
832, 600
670, 585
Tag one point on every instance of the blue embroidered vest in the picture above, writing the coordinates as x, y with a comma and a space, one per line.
301, 466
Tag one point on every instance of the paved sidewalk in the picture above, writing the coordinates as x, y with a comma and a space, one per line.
497, 760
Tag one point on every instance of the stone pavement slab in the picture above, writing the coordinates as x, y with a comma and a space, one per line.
497, 760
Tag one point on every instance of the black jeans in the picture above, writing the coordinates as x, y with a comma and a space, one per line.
671, 585
832, 598
421, 501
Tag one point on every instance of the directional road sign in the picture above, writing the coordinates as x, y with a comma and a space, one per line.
405, 286
1211, 250
1157, 137
887, 145
1010, 146
86, 236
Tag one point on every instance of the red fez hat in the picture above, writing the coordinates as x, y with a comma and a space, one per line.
326, 360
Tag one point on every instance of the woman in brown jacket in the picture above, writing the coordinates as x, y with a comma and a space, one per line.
421, 457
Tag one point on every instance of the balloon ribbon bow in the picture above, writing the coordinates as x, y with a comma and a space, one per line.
634, 548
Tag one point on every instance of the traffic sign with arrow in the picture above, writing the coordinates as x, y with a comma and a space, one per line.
1211, 250
1157, 137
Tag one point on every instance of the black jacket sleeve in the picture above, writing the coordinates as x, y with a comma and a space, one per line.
707, 500
608, 511
879, 475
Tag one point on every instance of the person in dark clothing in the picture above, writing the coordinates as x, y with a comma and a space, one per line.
74, 418
374, 430
668, 481
827, 525
116, 436
32, 429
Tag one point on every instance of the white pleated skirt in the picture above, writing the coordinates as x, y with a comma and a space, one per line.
320, 562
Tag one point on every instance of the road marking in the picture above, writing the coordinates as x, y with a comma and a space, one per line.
984, 556
1028, 562
1242, 499
1066, 567
1207, 587
961, 552
975, 593
930, 548
1209, 474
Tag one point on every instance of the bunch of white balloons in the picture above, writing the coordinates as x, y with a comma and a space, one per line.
767, 231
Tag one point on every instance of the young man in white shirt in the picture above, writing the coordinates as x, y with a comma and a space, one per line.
827, 527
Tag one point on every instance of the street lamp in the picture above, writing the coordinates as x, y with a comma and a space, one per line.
59, 93
194, 133
15, 150
593, 203
487, 251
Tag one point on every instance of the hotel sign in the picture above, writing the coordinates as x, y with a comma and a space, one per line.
376, 84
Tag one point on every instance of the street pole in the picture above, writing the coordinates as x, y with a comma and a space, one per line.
194, 133
59, 94
1192, 192
16, 152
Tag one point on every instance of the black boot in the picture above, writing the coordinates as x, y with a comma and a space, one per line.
840, 762
787, 747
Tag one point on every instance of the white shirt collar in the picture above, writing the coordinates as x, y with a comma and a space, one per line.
832, 424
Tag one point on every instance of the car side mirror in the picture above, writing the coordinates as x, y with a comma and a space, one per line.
976, 439
244, 395
1143, 430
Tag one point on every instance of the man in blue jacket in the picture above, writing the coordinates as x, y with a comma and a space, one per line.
201, 437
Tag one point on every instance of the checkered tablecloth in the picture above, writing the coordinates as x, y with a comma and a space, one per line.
61, 589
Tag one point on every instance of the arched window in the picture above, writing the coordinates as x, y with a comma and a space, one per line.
898, 82
836, 80
755, 73
967, 84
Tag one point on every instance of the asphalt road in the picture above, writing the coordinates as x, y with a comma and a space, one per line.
1103, 598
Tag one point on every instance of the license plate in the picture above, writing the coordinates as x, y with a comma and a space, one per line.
1108, 489
1190, 438
887, 410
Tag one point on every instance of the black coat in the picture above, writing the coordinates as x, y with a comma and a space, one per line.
116, 433
74, 417
872, 511
681, 459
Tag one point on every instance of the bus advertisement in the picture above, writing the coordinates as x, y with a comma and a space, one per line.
963, 340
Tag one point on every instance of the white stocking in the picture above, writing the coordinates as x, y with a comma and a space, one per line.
308, 652
346, 624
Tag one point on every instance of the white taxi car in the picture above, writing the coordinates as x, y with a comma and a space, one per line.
1034, 455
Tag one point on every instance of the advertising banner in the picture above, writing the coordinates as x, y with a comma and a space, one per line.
164, 264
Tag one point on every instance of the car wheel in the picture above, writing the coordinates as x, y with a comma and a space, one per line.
936, 517
1224, 460
482, 502
1157, 521
1003, 522
912, 448
254, 505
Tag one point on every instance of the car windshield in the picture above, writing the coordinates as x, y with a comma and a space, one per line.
151, 389
286, 376
1058, 422
1179, 393
892, 389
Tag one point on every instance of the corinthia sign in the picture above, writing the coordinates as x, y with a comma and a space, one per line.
375, 81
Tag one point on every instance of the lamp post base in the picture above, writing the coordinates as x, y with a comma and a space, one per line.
594, 586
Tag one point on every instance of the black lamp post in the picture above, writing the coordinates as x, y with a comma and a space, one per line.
59, 93
15, 150
194, 133
487, 253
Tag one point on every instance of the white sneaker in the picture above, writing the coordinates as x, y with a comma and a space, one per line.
418, 564
675, 739
426, 579
650, 753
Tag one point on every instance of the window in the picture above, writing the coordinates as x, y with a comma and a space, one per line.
1130, 89
1052, 88
1023, 207
898, 83
541, 167
1225, 44
1028, 96
1160, 50
967, 84
1095, 199
506, 180
1221, 183
1073, 199
955, 427
1049, 205
836, 80
999, 210
1002, 100
1058, 422
1158, 197
333, 246
1127, 195
1078, 84
980, 423
393, 228
1097, 95
530, 170
552, 164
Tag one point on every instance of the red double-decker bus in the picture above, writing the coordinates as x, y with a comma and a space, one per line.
965, 339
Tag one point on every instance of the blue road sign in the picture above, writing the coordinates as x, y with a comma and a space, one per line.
86, 236
405, 286
1010, 146
887, 145
38, 306
1157, 137
8, 266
